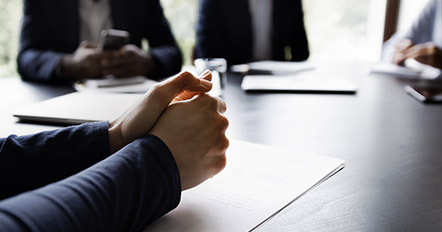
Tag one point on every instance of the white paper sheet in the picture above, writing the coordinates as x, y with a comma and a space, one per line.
297, 83
281, 67
412, 70
257, 182
138, 84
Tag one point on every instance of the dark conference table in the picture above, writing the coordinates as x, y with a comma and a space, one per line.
392, 145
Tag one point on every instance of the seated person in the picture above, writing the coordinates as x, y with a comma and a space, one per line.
242, 31
422, 42
117, 176
59, 40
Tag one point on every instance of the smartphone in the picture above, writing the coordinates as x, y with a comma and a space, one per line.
425, 92
112, 39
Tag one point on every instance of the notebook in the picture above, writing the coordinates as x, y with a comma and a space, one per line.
258, 182
77, 108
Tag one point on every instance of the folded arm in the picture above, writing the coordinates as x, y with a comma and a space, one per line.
32, 161
125, 192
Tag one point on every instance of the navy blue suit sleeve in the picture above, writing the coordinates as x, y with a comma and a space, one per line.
125, 192
163, 46
32, 161
36, 59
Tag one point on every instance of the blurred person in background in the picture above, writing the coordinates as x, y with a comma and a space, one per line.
59, 40
422, 41
242, 31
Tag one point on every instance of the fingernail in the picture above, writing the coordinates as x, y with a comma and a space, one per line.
206, 84
205, 73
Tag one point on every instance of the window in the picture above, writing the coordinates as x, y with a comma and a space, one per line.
345, 29
10, 14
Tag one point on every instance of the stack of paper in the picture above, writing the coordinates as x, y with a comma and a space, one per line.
258, 182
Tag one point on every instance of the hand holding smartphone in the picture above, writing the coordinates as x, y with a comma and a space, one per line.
112, 39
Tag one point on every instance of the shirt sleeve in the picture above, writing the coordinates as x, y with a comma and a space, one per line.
421, 30
125, 192
32, 161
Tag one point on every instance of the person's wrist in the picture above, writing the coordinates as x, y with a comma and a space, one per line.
148, 64
116, 141
66, 69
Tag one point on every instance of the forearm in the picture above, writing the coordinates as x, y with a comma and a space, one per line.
125, 192
32, 161
167, 59
38, 65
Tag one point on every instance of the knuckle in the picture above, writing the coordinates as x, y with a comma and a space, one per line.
185, 76
220, 163
226, 143
212, 103
223, 121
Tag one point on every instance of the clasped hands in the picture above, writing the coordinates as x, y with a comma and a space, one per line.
426, 53
186, 119
91, 62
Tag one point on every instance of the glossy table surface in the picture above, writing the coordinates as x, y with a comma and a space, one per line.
392, 145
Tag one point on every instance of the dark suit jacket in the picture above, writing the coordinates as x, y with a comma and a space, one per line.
224, 29
50, 30
67, 180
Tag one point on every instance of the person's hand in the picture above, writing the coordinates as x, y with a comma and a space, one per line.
400, 50
140, 118
426, 53
194, 131
127, 62
84, 63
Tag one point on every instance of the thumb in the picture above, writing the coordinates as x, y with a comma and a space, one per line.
87, 44
184, 86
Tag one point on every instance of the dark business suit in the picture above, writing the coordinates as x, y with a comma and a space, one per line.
50, 30
67, 180
224, 30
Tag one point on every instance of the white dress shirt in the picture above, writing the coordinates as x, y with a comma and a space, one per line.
261, 12
426, 28
94, 16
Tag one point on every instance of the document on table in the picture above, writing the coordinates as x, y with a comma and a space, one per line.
297, 83
137, 84
257, 183
274, 67
413, 69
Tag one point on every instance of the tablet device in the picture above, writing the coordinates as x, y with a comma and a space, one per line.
425, 92
77, 108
